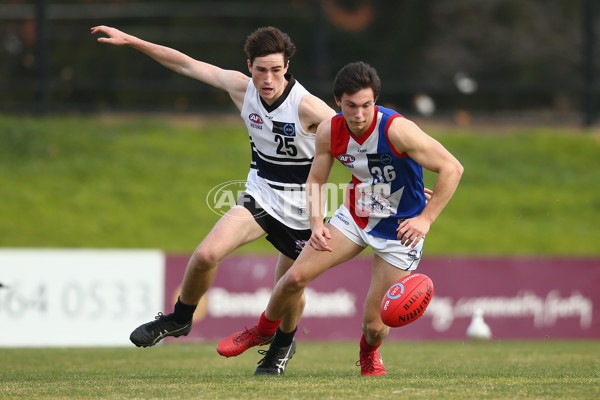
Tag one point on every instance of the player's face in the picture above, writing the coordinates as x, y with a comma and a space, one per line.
358, 110
268, 76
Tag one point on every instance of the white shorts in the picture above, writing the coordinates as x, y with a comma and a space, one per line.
392, 251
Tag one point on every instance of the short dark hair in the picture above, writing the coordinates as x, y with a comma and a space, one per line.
354, 77
269, 40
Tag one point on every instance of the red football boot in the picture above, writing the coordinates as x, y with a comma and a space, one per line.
239, 342
371, 364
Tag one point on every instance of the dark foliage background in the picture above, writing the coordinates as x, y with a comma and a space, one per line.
466, 55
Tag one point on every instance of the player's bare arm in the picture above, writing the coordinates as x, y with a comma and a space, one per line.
233, 82
408, 138
318, 176
312, 111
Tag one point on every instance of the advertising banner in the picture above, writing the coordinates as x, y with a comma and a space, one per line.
97, 297
520, 298
242, 288
72, 298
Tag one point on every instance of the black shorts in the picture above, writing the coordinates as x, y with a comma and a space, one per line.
286, 240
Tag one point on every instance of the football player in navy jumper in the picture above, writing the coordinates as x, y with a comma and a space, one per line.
385, 209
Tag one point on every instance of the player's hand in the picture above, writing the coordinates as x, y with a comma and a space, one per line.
428, 194
411, 231
115, 36
318, 239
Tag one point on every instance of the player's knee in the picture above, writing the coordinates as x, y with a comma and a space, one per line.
293, 282
204, 258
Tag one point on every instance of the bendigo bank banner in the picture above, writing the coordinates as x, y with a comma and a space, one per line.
521, 298
88, 297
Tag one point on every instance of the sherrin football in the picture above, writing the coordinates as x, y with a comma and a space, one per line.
406, 300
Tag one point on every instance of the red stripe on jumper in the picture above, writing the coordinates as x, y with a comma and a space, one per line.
359, 217
339, 136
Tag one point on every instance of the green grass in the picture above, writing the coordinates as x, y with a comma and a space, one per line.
141, 182
421, 370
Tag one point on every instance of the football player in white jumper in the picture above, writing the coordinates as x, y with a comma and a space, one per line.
282, 118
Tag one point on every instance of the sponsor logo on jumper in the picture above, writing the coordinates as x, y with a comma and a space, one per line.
255, 121
379, 159
284, 128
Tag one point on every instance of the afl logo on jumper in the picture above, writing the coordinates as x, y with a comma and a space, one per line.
284, 128
255, 121
346, 158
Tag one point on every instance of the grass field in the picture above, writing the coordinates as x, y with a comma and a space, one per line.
421, 370
141, 182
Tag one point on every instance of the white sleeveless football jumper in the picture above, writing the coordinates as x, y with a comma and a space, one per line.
282, 153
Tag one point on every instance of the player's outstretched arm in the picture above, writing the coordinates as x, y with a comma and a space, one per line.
234, 82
